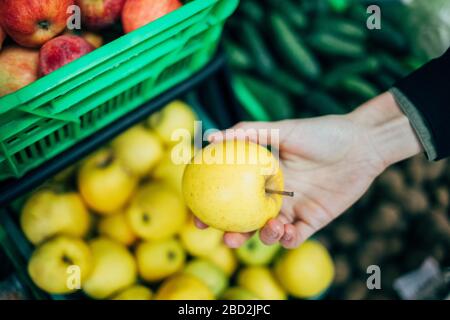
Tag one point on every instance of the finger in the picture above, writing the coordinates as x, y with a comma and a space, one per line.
289, 238
258, 132
296, 234
235, 240
272, 232
199, 224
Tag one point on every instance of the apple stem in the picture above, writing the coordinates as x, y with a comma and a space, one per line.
282, 193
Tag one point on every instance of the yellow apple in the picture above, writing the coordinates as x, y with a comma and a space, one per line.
159, 259
209, 273
156, 212
116, 227
307, 271
184, 287
230, 186
47, 213
138, 149
135, 292
261, 282
171, 167
50, 265
176, 115
114, 269
236, 293
224, 258
200, 243
104, 184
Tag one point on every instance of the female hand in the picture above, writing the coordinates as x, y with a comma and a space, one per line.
329, 162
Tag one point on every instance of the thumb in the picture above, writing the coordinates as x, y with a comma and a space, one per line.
264, 133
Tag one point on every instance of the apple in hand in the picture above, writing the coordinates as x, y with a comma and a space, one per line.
138, 13
31, 23
18, 68
99, 14
234, 186
60, 51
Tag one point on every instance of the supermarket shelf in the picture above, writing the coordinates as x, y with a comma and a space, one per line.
14, 188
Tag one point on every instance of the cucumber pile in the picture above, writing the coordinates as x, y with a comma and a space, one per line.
300, 58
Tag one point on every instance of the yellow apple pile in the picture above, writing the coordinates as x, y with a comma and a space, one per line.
116, 227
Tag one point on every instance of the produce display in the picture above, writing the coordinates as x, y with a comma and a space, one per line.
40, 26
307, 58
119, 218
401, 221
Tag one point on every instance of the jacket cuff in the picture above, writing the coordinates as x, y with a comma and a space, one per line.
417, 122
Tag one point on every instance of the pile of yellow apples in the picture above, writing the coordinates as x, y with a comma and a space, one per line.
121, 230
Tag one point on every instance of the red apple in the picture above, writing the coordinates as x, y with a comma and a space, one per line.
138, 13
18, 68
99, 14
2, 37
60, 51
31, 23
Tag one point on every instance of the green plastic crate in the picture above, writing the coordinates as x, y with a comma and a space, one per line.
50, 115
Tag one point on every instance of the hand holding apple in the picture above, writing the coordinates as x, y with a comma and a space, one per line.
18, 68
138, 13
60, 51
31, 23
99, 14
328, 163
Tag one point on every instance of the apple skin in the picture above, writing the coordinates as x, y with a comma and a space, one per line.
31, 23
47, 213
60, 51
100, 14
18, 68
227, 189
2, 36
138, 13
48, 265
104, 184
255, 253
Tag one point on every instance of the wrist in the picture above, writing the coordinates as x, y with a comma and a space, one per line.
388, 129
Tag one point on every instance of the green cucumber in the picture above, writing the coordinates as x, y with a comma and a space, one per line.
329, 44
291, 12
366, 66
252, 11
238, 57
389, 38
276, 104
384, 81
288, 83
323, 103
355, 85
343, 27
392, 65
292, 49
257, 48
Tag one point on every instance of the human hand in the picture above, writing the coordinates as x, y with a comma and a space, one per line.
329, 162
